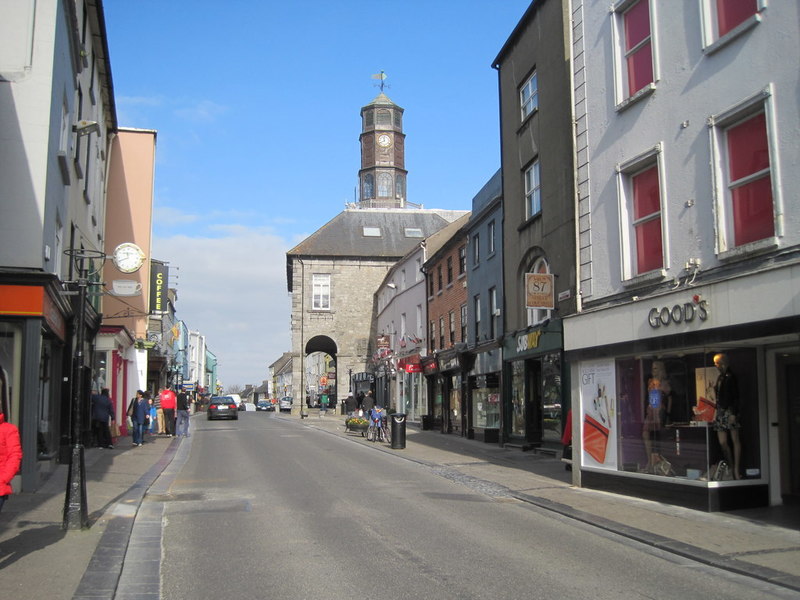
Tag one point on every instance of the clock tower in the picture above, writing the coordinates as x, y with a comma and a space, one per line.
382, 178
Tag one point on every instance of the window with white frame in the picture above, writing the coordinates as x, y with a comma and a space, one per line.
494, 313
537, 315
529, 96
641, 202
418, 272
441, 332
462, 260
634, 42
746, 204
452, 319
476, 306
476, 249
491, 236
724, 20
533, 190
419, 321
403, 326
463, 322
321, 291
432, 336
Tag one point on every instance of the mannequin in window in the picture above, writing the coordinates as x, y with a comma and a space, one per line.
657, 410
726, 422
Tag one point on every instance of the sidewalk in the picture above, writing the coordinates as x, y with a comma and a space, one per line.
40, 560
745, 542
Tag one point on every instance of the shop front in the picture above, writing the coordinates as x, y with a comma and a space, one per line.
695, 409
534, 397
484, 395
444, 374
34, 362
412, 399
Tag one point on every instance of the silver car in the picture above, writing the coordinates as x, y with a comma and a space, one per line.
285, 404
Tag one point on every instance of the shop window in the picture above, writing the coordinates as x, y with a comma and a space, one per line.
746, 201
485, 398
690, 416
518, 392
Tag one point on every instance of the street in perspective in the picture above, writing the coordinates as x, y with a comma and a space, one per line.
436, 300
267, 506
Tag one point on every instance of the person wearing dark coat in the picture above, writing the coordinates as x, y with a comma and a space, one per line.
102, 413
140, 416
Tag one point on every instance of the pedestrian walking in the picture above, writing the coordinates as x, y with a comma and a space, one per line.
159, 413
10, 449
182, 427
168, 404
102, 415
140, 416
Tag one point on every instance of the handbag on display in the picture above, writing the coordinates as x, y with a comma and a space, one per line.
595, 439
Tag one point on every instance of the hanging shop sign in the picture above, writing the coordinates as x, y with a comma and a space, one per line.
383, 341
539, 290
159, 284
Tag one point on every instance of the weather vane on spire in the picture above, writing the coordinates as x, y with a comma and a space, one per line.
382, 77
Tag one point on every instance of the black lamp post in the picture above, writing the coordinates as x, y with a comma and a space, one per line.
76, 514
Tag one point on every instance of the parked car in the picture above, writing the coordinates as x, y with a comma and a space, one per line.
222, 407
265, 405
285, 404
247, 406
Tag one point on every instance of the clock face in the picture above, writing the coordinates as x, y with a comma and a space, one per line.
384, 140
128, 257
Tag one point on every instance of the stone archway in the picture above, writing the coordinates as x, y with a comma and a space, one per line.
320, 372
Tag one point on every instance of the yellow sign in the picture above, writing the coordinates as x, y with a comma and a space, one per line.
539, 290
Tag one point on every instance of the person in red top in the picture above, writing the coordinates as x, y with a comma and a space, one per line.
169, 401
10, 455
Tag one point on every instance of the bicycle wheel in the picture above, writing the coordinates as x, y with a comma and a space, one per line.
371, 433
387, 438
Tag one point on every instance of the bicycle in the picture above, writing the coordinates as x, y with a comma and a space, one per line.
378, 433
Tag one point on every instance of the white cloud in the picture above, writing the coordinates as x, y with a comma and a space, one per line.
233, 290
167, 215
204, 111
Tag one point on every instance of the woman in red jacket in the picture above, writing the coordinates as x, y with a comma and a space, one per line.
10, 455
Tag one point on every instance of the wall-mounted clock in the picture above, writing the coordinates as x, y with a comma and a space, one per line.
128, 257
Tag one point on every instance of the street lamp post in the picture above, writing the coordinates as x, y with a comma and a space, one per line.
76, 514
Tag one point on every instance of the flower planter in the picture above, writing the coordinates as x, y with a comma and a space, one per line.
361, 428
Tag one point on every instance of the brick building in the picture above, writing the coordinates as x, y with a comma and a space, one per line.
446, 280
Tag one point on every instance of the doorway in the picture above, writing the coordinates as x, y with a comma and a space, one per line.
784, 425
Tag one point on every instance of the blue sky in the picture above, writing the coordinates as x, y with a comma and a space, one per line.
256, 104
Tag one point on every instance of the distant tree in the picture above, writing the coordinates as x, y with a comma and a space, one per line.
234, 389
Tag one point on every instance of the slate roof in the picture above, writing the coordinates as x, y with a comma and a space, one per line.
343, 236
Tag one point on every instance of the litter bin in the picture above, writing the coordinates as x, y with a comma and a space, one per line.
398, 431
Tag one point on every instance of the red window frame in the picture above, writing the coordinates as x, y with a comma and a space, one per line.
750, 180
638, 46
